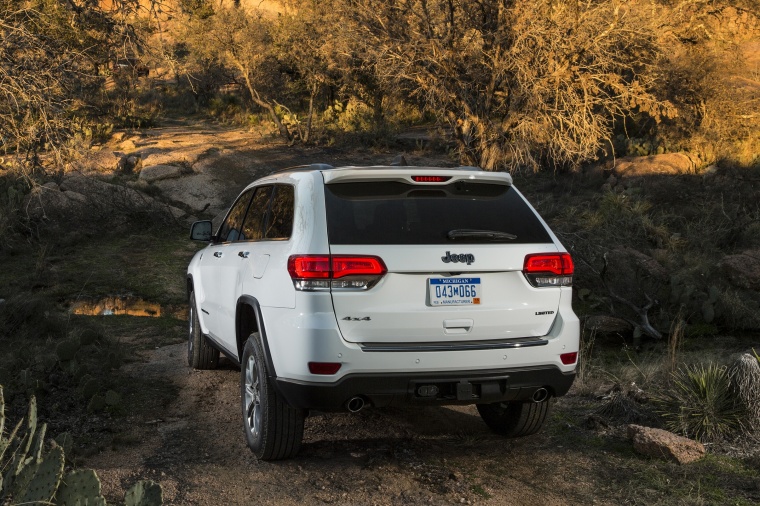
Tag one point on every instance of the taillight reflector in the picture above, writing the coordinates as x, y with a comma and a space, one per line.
569, 358
560, 264
325, 368
430, 179
344, 272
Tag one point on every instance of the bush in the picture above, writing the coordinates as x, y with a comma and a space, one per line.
700, 403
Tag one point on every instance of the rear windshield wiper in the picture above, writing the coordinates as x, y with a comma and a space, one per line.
489, 235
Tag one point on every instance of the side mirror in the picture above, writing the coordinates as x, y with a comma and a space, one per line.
201, 231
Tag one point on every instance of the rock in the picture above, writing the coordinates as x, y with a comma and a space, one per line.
159, 172
175, 155
200, 192
128, 146
658, 443
669, 164
45, 203
710, 172
77, 197
742, 270
50, 185
118, 136
130, 163
177, 212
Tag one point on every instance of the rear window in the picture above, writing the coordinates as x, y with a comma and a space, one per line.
384, 212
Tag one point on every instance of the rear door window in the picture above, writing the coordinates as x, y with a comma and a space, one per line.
231, 228
253, 228
385, 212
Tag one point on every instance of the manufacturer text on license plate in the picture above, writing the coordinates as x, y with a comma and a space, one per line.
454, 291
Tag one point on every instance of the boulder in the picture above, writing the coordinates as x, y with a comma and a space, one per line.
159, 172
742, 270
661, 444
46, 202
629, 259
668, 164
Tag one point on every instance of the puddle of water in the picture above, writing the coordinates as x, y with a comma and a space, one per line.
131, 306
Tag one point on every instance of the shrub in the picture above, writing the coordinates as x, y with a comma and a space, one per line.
700, 403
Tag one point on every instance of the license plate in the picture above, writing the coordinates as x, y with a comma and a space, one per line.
454, 291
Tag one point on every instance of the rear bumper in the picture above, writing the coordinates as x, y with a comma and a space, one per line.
462, 387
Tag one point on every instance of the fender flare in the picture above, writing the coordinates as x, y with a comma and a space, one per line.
247, 300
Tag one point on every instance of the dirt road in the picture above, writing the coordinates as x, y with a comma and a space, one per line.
194, 447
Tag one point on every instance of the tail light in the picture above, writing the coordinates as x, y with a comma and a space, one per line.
339, 272
549, 269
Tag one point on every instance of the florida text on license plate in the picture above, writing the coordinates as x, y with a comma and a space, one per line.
454, 291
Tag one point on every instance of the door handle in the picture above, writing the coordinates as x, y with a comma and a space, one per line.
243, 254
218, 254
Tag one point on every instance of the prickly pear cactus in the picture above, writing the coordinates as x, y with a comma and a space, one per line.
43, 481
144, 493
30, 477
33, 478
80, 488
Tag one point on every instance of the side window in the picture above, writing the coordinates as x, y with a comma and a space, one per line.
230, 229
280, 222
253, 228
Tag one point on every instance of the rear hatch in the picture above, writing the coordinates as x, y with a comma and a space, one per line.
454, 243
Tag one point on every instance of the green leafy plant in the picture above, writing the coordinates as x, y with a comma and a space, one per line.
700, 403
33, 476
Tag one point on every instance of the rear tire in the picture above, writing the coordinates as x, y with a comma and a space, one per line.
273, 429
514, 419
200, 353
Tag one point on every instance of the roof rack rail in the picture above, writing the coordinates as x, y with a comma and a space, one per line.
303, 168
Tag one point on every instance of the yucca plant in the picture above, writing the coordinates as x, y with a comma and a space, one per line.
701, 403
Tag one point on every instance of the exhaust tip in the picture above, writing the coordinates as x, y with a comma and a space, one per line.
355, 404
540, 395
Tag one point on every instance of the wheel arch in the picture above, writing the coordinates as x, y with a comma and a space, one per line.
248, 319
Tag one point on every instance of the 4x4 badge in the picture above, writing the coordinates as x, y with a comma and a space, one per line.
355, 319
458, 258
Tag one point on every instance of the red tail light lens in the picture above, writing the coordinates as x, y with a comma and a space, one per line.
347, 272
309, 267
430, 179
357, 266
554, 263
549, 269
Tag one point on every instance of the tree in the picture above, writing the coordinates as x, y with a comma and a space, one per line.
522, 84
50, 53
242, 41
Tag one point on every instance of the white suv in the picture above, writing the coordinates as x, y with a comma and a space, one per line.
340, 288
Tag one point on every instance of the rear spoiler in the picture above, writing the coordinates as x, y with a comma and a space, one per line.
415, 175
